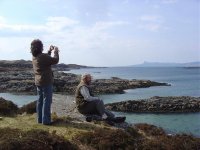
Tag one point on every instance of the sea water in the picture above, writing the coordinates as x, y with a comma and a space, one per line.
184, 82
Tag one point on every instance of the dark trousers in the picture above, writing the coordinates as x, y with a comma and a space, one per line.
95, 107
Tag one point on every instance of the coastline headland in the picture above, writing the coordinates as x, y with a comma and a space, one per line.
156, 104
17, 77
18, 126
68, 130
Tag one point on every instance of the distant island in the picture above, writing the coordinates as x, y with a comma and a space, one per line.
160, 64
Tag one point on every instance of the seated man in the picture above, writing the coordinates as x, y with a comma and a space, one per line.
87, 104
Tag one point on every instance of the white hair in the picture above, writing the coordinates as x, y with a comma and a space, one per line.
84, 76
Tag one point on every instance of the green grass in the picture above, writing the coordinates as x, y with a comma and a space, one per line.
62, 126
8, 108
23, 130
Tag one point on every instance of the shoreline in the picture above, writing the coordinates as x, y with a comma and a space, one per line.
23, 82
157, 104
64, 106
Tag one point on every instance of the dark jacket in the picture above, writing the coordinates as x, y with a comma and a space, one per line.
42, 68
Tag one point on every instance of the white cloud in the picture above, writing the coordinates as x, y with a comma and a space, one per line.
13, 48
161, 2
150, 26
58, 23
87, 14
53, 24
152, 18
71, 37
82, 38
151, 22
105, 25
19, 27
169, 1
109, 14
2, 20
126, 1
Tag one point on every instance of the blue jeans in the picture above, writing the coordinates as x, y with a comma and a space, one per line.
44, 104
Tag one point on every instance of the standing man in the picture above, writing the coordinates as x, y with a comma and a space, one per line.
43, 79
87, 104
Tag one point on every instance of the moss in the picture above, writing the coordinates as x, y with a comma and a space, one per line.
20, 129
156, 138
11, 139
29, 108
8, 108
177, 142
107, 139
150, 130
133, 132
23, 132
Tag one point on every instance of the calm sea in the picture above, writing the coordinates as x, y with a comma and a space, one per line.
184, 82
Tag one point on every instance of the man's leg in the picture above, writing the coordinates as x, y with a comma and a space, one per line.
39, 104
46, 118
109, 114
96, 107
101, 109
88, 109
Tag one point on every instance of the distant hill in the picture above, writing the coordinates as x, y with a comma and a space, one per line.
159, 64
27, 64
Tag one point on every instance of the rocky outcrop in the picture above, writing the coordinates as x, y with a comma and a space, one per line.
22, 65
29, 108
7, 108
158, 105
23, 81
117, 85
70, 132
17, 76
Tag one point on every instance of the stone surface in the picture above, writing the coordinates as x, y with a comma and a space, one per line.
158, 105
66, 83
17, 77
7, 108
20, 65
64, 105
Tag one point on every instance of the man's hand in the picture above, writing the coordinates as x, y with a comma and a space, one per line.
51, 48
56, 50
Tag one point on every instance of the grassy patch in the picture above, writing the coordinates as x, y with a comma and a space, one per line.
29, 108
177, 142
150, 130
107, 139
11, 139
7, 108
23, 130
156, 139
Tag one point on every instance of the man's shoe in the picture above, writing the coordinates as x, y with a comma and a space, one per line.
111, 123
117, 119
88, 118
47, 124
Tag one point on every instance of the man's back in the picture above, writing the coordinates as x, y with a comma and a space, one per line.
42, 68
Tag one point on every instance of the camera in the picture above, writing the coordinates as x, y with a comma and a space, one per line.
52, 47
55, 48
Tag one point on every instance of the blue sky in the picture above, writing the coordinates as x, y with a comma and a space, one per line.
103, 32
